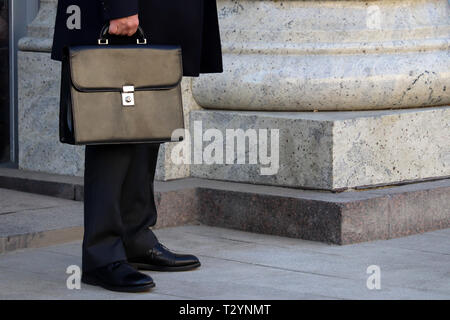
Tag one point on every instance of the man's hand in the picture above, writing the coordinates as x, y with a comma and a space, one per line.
124, 26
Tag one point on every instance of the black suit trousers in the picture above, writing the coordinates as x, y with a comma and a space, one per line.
119, 204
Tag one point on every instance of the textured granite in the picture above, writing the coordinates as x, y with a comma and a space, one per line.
176, 207
393, 147
285, 216
330, 55
38, 118
167, 169
38, 91
339, 150
340, 218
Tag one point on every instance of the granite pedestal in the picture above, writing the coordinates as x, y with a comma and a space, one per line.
284, 60
338, 150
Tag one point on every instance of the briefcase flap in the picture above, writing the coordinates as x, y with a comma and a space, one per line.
109, 68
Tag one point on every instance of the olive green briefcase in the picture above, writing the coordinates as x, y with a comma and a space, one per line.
121, 93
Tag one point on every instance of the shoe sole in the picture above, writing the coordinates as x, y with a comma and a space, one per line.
142, 288
150, 267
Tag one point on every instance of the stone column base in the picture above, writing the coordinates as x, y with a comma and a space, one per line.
337, 150
338, 218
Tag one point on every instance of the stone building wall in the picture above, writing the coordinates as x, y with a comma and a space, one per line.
358, 89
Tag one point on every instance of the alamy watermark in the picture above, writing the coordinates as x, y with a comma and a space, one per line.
73, 22
374, 280
237, 146
73, 281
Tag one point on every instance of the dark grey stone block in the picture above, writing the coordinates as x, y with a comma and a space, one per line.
332, 217
60, 186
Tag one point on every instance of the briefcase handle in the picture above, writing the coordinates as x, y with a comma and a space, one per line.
102, 39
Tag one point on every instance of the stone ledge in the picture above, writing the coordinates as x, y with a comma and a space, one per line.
45, 214
339, 150
339, 218
55, 185
30, 220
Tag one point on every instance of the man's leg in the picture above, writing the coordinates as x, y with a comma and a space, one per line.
139, 214
137, 202
105, 170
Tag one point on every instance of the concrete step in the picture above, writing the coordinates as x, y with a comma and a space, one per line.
55, 185
340, 218
29, 220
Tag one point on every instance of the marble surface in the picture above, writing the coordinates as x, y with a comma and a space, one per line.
330, 55
339, 150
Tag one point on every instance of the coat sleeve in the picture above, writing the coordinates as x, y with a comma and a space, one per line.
114, 9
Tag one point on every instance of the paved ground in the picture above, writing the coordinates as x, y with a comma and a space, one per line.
240, 265
236, 265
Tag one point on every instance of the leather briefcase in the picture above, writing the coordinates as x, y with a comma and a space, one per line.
128, 93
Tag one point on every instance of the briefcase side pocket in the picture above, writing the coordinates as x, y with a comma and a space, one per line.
66, 134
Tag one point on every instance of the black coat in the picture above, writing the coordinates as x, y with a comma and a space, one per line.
193, 24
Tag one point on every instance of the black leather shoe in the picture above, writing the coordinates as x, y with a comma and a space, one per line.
159, 258
118, 276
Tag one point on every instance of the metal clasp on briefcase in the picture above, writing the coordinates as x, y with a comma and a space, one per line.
128, 96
